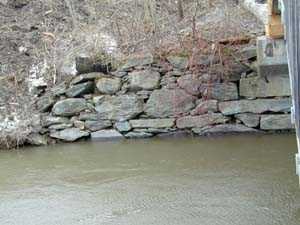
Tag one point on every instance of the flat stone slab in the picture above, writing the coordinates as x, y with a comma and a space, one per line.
106, 135
137, 60
80, 89
69, 107
201, 121
269, 86
86, 77
70, 134
97, 125
255, 106
224, 128
138, 134
152, 123
276, 122
123, 126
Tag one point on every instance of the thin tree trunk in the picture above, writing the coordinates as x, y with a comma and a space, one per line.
180, 9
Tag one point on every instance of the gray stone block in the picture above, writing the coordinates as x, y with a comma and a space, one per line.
271, 56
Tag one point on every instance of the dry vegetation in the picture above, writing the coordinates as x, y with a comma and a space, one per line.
39, 39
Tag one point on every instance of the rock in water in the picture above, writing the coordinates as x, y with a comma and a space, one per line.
70, 134
119, 108
169, 103
109, 85
144, 80
69, 107
106, 135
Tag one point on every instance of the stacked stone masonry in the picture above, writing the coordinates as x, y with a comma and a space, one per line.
144, 99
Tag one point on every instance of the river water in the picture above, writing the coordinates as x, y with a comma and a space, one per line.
233, 180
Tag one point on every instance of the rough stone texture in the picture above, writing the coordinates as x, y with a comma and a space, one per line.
79, 124
248, 52
271, 56
45, 103
86, 77
120, 108
89, 116
144, 80
204, 107
106, 135
169, 103
138, 134
37, 139
135, 61
80, 89
109, 85
224, 128
276, 122
201, 121
222, 91
60, 89
270, 86
190, 83
123, 126
60, 126
249, 119
178, 62
70, 134
97, 125
255, 106
69, 107
52, 120
152, 123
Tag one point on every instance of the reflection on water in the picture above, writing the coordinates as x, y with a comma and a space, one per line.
241, 180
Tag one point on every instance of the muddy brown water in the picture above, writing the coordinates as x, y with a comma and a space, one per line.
233, 180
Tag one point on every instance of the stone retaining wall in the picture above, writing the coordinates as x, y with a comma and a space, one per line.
145, 98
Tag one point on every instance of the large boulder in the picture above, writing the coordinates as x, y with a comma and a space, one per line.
276, 122
271, 86
109, 85
201, 121
144, 80
80, 89
255, 106
169, 103
190, 83
106, 135
119, 108
70, 134
221, 91
152, 123
69, 107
